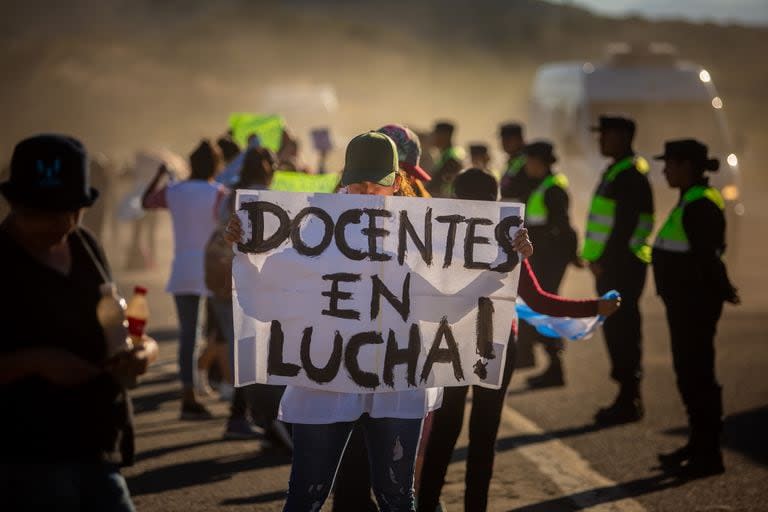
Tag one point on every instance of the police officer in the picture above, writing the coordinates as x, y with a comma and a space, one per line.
620, 221
693, 283
549, 226
515, 184
449, 162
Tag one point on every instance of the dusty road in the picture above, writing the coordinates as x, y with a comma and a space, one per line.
550, 458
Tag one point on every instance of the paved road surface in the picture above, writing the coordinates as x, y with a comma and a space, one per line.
550, 457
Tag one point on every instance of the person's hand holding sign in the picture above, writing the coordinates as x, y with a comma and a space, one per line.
234, 231
522, 243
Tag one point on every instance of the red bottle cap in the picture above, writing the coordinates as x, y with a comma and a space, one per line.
140, 290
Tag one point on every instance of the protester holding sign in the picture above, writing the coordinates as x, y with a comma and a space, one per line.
323, 403
193, 204
353, 483
67, 423
487, 404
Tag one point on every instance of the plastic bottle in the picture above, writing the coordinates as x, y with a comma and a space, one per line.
138, 315
110, 312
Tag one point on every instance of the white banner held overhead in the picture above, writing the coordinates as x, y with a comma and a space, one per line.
369, 294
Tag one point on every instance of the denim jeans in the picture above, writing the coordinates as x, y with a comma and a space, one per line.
317, 449
188, 311
64, 487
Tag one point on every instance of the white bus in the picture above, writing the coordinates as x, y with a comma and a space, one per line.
667, 97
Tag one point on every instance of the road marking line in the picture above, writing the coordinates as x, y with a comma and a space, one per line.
569, 471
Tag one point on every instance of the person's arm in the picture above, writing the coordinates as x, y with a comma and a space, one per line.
58, 366
551, 304
557, 201
704, 225
629, 192
154, 197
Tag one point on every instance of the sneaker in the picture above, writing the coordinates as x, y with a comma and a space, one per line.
623, 410
195, 411
241, 428
552, 377
278, 432
226, 392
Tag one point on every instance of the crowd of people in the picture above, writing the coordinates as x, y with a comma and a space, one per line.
344, 442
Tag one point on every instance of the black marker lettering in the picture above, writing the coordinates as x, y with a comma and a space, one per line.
275, 363
335, 295
373, 232
256, 211
396, 356
348, 217
403, 307
484, 328
296, 240
452, 221
443, 355
328, 372
470, 240
505, 241
407, 229
361, 378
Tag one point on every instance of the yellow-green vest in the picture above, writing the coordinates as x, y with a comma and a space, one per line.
602, 217
514, 165
451, 153
536, 212
672, 236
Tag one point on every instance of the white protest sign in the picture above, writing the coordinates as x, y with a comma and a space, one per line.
369, 294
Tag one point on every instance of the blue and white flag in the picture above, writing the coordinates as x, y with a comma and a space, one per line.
573, 329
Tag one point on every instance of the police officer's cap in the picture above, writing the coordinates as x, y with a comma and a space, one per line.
542, 150
618, 123
689, 149
511, 130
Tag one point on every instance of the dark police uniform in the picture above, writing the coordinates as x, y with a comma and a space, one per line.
692, 281
620, 221
549, 226
515, 183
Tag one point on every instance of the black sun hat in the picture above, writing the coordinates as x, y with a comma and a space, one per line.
689, 149
541, 149
50, 172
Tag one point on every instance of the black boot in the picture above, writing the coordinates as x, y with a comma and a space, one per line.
627, 408
674, 459
705, 457
552, 377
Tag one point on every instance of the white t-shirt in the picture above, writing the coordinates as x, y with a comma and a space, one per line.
316, 407
193, 206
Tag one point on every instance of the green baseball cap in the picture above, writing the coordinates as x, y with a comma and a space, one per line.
370, 157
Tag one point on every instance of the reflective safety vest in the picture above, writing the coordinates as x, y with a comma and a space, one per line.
514, 165
536, 212
672, 236
452, 153
602, 216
